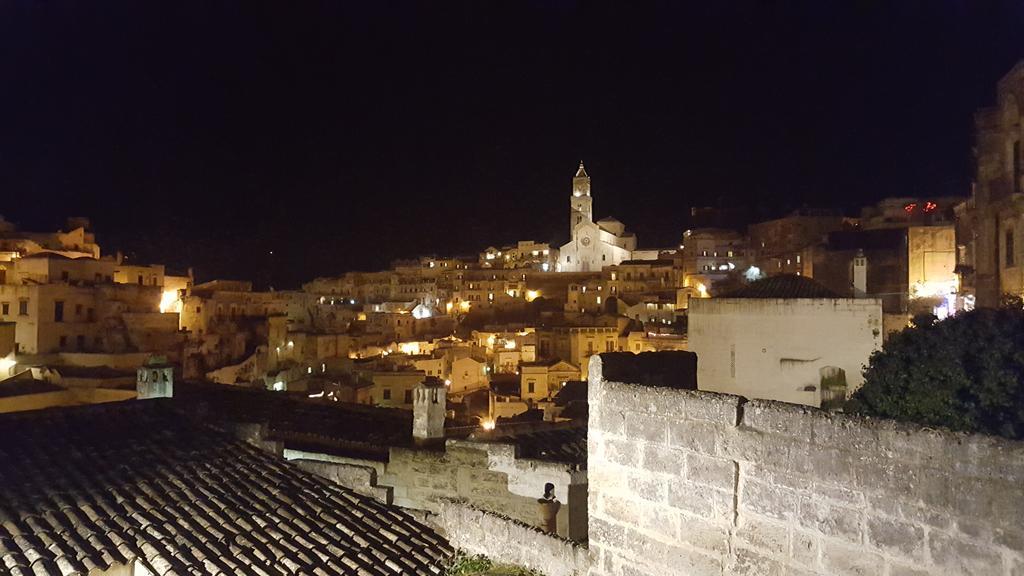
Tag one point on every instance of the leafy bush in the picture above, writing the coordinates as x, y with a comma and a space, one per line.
965, 373
466, 565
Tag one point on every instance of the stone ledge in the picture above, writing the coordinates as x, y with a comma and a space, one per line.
675, 369
510, 541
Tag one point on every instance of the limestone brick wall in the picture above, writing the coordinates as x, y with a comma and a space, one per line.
361, 479
509, 541
486, 476
420, 479
697, 483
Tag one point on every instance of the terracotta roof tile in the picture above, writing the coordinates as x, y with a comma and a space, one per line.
556, 443
332, 427
783, 286
110, 484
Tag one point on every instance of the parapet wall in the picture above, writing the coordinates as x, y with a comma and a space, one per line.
487, 476
697, 483
505, 540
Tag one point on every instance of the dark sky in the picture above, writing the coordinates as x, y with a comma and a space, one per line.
341, 135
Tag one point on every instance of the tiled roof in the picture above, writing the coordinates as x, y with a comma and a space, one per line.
337, 428
658, 262
23, 383
566, 444
89, 487
506, 384
573, 391
783, 286
548, 362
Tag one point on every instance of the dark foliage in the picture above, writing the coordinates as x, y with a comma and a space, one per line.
965, 373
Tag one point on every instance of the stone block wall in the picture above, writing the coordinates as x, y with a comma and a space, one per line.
361, 479
488, 476
697, 483
505, 540
421, 478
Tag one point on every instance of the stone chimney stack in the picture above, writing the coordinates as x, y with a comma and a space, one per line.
428, 409
7, 349
155, 379
860, 275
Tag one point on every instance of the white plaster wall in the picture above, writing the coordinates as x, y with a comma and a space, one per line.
780, 345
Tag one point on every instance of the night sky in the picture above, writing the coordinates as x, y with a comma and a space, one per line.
341, 135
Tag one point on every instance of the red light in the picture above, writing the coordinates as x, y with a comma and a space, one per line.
910, 207
930, 206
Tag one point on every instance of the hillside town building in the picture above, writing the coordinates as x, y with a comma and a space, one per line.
827, 340
592, 245
990, 224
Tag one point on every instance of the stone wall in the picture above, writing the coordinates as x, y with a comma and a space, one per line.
421, 478
695, 483
488, 476
361, 479
505, 540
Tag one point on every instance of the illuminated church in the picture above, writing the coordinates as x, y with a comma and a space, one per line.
592, 245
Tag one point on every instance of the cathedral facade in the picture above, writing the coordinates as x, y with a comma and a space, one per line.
592, 245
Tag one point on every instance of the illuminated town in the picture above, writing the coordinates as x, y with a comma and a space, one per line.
564, 402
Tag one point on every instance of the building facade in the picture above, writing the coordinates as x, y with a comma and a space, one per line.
827, 341
990, 224
592, 245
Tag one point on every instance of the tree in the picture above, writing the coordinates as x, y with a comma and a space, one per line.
965, 373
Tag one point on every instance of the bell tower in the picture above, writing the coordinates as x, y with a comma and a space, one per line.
580, 202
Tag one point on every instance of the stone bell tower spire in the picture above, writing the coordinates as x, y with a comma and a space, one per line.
580, 201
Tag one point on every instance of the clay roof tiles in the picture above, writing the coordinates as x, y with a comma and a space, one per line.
555, 443
89, 487
783, 286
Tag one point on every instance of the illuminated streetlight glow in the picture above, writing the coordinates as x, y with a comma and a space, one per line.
169, 302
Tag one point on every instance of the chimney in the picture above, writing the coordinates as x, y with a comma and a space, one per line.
8, 347
860, 275
428, 410
155, 379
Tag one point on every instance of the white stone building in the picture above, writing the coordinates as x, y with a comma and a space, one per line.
592, 245
784, 338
